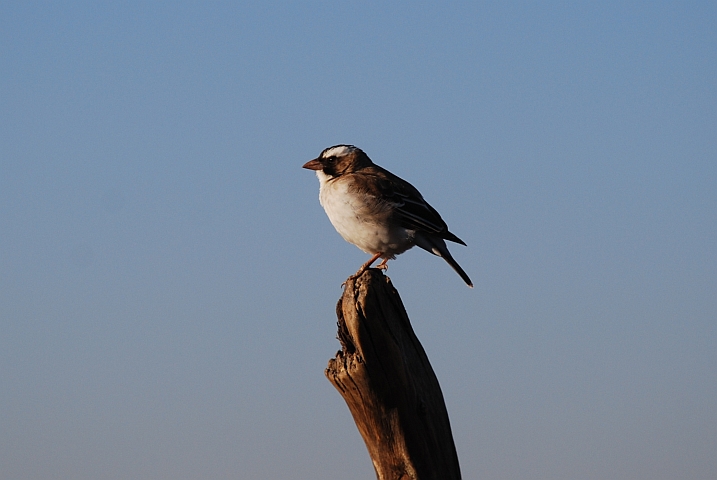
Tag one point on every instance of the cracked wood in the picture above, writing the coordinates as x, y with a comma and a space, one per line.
384, 375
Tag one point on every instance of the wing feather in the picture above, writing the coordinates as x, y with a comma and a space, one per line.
409, 208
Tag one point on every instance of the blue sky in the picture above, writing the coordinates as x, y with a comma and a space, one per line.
169, 278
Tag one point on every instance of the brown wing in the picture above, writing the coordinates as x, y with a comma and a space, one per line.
411, 211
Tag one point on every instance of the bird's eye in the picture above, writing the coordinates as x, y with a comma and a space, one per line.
331, 159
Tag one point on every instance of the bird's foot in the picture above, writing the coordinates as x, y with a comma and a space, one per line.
363, 268
354, 276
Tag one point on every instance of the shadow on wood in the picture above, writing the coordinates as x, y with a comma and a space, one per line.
384, 375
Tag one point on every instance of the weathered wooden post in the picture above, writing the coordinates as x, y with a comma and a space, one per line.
384, 375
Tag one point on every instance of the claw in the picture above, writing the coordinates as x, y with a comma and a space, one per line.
353, 277
365, 267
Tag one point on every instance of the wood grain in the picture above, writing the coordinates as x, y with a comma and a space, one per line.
384, 375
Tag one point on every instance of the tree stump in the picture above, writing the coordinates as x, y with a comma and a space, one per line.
384, 375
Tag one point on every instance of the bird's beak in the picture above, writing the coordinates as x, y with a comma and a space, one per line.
314, 164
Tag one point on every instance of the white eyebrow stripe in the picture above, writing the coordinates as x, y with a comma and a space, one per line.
337, 151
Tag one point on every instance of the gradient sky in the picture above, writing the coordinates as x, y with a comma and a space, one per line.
168, 278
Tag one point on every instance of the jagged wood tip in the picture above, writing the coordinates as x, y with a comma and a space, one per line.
387, 381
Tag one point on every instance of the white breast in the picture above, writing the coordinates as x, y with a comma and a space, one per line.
360, 220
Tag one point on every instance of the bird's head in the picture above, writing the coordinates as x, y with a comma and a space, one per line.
339, 160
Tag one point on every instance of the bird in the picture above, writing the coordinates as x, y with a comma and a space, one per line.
377, 211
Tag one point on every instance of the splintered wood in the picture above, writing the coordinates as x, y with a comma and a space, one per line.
384, 375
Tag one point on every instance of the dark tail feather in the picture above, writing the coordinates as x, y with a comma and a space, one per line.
457, 268
438, 247
449, 236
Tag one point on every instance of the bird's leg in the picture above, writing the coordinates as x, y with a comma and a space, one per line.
366, 265
363, 268
383, 265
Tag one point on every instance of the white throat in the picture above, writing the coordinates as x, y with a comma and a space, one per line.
323, 178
